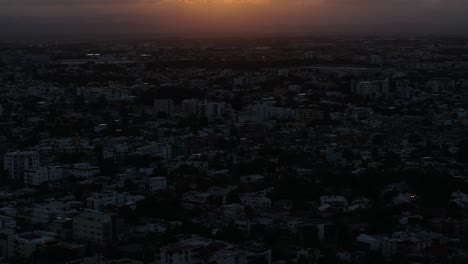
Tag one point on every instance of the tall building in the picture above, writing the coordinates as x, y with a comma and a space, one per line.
95, 226
15, 163
165, 106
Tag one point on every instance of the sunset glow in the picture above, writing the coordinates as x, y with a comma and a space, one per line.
175, 17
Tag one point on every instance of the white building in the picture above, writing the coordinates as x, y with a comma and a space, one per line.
401, 242
194, 107
252, 178
95, 226
183, 252
203, 108
375, 60
157, 184
43, 174
190, 251
367, 88
255, 201
43, 213
265, 111
110, 93
15, 163
154, 149
82, 170
241, 256
98, 201
441, 85
335, 201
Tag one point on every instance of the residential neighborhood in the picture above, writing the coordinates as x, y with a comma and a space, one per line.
241, 151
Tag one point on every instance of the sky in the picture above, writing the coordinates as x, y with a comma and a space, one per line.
35, 18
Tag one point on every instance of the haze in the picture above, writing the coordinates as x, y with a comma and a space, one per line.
32, 18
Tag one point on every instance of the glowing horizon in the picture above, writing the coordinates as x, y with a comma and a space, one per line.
232, 16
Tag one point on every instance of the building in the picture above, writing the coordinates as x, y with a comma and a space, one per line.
375, 60
63, 227
215, 109
98, 201
110, 93
252, 178
43, 174
367, 88
403, 243
198, 250
241, 256
194, 107
45, 212
154, 149
15, 163
231, 212
165, 106
82, 170
116, 152
372, 88
7, 222
335, 201
26, 244
185, 252
361, 113
203, 108
157, 184
95, 226
440, 85
255, 201
309, 115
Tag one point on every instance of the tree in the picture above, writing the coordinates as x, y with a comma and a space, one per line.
462, 154
414, 138
108, 168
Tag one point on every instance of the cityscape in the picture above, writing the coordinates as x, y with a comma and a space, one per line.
230, 149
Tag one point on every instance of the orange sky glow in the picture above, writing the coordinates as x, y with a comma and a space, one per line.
231, 16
